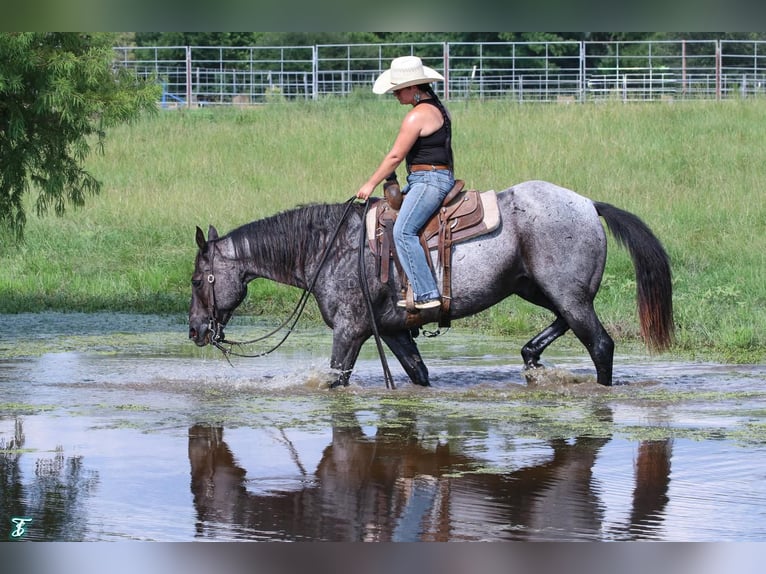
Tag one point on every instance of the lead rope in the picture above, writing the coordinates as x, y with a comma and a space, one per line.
368, 300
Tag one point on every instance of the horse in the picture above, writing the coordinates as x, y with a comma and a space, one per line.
549, 249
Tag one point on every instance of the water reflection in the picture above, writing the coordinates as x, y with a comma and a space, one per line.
393, 486
652, 476
54, 499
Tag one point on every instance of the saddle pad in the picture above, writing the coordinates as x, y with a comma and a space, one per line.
491, 217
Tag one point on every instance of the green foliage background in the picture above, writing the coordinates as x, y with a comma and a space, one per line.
58, 93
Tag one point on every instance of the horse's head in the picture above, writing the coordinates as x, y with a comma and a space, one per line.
218, 287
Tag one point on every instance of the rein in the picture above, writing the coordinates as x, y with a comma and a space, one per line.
219, 339
218, 342
368, 300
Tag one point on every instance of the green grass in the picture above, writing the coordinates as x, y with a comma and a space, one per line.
693, 171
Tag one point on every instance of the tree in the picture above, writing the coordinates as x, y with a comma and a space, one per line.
59, 92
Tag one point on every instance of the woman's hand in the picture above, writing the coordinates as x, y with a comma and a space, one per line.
365, 191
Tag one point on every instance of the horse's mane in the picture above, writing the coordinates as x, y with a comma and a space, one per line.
287, 241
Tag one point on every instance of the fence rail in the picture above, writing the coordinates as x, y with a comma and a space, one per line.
521, 71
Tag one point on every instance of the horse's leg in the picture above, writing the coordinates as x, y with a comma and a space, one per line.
534, 348
345, 351
406, 350
591, 333
571, 313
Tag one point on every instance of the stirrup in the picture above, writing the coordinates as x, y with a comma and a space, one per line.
429, 304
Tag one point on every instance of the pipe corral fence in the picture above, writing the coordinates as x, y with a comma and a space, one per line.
565, 72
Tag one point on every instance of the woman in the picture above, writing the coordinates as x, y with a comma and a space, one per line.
424, 141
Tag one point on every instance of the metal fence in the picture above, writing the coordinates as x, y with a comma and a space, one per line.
519, 71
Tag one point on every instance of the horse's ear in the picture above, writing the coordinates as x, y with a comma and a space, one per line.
212, 233
201, 243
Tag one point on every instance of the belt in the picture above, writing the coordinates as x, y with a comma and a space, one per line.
426, 167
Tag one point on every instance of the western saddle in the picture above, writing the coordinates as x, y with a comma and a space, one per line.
462, 216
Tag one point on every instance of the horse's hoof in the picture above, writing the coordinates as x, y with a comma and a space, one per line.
532, 374
337, 384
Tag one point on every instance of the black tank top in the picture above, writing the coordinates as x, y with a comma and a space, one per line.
434, 149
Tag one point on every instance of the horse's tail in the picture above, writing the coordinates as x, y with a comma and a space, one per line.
654, 289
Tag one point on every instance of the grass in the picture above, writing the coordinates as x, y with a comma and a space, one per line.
693, 171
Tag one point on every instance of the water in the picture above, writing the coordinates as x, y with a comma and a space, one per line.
115, 427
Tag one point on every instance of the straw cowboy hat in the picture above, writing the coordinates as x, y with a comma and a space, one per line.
404, 72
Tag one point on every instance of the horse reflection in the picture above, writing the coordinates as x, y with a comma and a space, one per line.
393, 487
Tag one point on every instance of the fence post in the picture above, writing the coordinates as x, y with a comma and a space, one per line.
314, 72
718, 70
624, 88
683, 68
188, 77
582, 72
445, 51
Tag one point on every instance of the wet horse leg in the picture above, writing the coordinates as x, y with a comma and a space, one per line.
406, 350
591, 333
345, 351
602, 353
534, 348
588, 329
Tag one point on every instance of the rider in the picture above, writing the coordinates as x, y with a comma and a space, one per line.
424, 141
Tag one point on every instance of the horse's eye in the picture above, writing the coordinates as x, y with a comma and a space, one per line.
196, 283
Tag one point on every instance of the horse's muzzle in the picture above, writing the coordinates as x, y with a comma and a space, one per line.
207, 334
201, 337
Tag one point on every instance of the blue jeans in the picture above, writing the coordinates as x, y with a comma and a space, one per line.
423, 194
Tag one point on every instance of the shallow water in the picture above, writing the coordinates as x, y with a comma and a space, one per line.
115, 427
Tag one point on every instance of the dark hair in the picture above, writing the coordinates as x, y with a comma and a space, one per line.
429, 91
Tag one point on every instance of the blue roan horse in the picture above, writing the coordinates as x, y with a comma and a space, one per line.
549, 249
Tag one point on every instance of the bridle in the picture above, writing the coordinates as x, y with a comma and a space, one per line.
218, 338
214, 325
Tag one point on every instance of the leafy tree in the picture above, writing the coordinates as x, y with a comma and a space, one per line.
311, 38
197, 38
59, 92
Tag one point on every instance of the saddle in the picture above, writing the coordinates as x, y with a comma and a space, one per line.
463, 215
